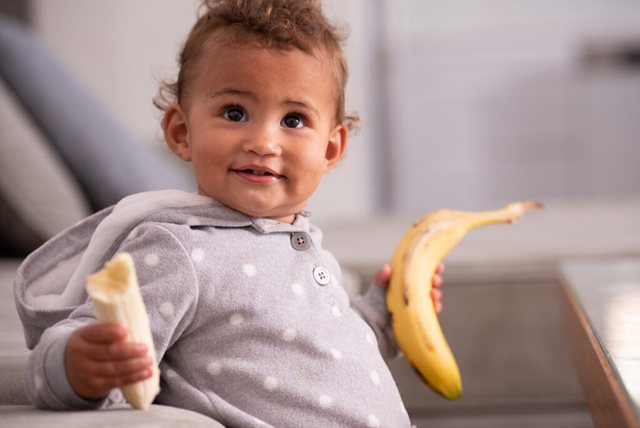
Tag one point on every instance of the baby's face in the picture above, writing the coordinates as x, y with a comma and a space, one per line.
260, 128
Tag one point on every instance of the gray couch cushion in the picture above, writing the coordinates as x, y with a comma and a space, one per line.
13, 350
38, 197
157, 416
12, 374
106, 159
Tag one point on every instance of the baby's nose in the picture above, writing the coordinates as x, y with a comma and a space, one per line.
263, 141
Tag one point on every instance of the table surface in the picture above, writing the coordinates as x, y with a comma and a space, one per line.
609, 294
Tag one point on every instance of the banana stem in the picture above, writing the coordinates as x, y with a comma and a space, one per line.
509, 214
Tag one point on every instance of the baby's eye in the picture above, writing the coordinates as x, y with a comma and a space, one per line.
235, 114
292, 120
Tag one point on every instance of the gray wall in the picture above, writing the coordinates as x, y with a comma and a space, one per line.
495, 101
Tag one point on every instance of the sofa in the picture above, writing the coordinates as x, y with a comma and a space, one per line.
63, 156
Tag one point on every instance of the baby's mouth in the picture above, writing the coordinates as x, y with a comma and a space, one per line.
258, 175
256, 172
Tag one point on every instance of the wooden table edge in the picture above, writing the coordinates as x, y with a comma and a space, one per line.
608, 402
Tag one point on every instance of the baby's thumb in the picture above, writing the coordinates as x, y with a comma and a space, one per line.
103, 333
383, 276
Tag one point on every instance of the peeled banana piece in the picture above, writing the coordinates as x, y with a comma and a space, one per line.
414, 263
116, 296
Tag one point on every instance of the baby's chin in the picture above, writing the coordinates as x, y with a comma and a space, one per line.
282, 214
285, 216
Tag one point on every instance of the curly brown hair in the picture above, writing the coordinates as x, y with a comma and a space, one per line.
272, 24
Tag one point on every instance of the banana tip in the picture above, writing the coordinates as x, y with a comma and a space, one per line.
518, 209
533, 205
523, 206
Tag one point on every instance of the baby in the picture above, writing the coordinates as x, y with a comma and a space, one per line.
250, 323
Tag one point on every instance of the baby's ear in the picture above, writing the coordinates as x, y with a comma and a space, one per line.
176, 133
337, 145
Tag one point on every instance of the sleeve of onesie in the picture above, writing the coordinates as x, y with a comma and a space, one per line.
169, 289
372, 307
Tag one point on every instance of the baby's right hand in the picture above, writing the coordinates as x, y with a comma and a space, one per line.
98, 359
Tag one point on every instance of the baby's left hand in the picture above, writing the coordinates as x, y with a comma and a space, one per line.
384, 275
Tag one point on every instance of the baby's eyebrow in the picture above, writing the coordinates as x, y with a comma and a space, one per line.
302, 104
233, 91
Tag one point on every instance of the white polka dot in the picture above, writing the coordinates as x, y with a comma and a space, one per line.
371, 340
336, 311
37, 380
236, 319
336, 353
249, 269
325, 401
375, 377
197, 255
193, 221
289, 334
297, 289
271, 383
167, 309
214, 368
151, 259
170, 373
373, 421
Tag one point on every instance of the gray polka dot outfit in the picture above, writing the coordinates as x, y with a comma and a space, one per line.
250, 323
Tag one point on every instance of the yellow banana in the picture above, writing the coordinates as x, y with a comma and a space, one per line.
414, 263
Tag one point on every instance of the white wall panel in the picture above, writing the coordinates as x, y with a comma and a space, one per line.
492, 101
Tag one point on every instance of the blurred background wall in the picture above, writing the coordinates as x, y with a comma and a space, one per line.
465, 104
503, 100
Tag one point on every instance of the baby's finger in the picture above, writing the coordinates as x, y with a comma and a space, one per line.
123, 368
116, 351
436, 297
136, 377
436, 281
103, 333
100, 386
383, 276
